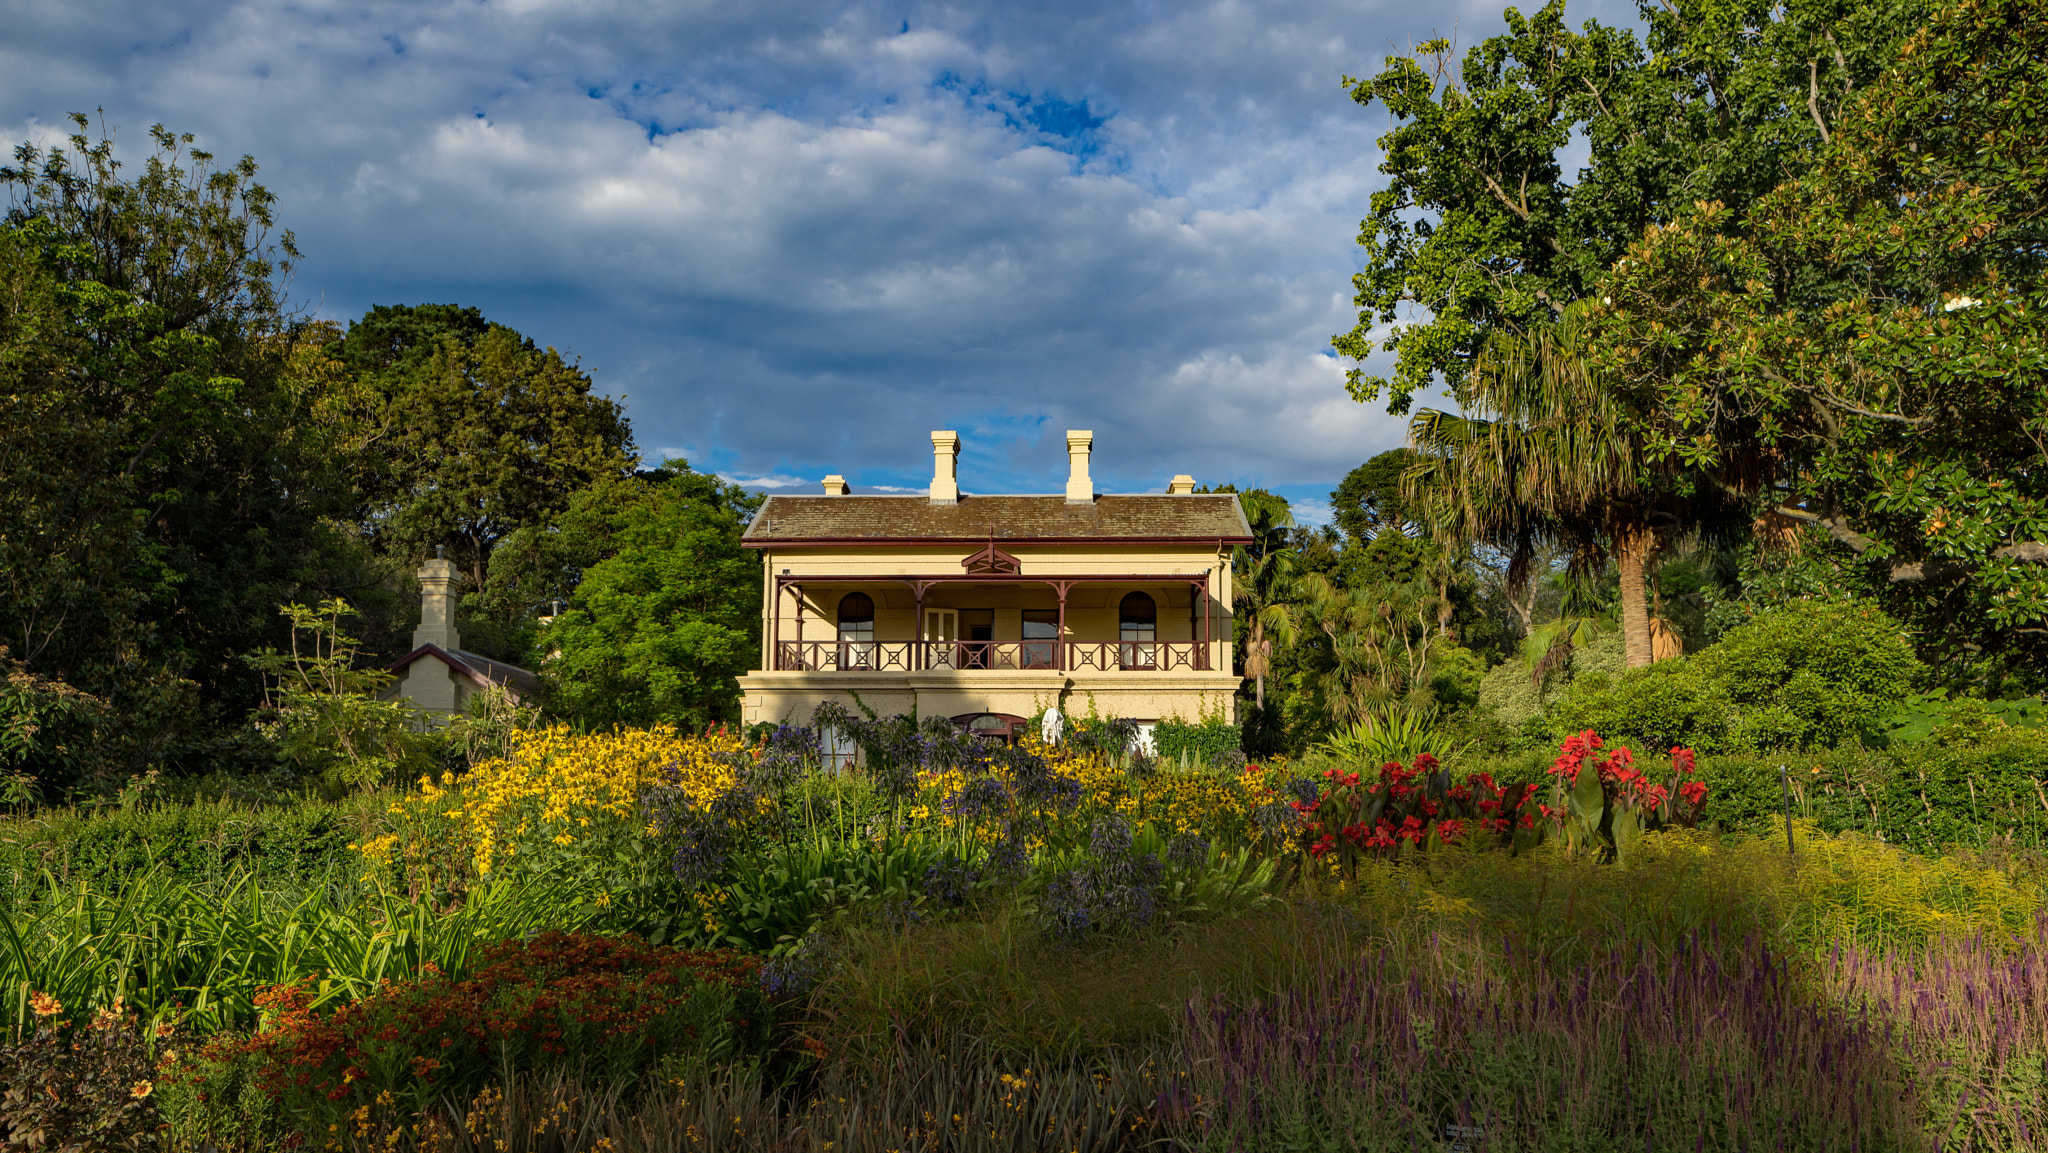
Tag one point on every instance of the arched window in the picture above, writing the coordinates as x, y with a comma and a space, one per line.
1139, 630
856, 631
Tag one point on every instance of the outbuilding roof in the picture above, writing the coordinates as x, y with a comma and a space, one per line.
483, 671
911, 519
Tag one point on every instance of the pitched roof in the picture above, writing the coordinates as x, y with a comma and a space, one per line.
482, 670
850, 519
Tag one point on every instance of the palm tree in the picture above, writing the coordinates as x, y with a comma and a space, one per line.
1266, 575
1550, 452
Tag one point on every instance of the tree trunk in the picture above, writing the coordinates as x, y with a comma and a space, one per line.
1634, 553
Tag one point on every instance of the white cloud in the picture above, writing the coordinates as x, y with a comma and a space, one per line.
798, 236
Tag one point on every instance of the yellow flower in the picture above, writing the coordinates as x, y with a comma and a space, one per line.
142, 1089
45, 1005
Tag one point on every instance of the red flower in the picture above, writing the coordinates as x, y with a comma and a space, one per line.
1424, 763
1322, 848
1682, 759
1694, 792
1450, 828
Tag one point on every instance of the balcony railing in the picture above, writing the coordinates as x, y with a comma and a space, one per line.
919, 656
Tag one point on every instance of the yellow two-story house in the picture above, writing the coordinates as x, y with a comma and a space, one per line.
991, 609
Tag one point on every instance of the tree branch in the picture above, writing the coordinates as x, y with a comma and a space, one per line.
1813, 98
1521, 211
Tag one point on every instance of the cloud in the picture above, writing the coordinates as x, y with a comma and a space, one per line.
796, 237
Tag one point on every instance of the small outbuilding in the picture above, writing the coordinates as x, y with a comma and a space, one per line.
437, 677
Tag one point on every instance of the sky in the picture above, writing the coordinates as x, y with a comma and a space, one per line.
795, 238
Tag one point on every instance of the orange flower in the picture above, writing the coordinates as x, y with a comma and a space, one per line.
142, 1089
45, 1005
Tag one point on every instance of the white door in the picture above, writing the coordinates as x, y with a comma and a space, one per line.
942, 631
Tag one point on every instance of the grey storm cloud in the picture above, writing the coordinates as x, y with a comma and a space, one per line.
798, 236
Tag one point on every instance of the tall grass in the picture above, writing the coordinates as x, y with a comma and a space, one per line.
168, 946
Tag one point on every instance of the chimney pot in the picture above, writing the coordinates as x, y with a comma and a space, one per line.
945, 468
1180, 485
835, 485
1080, 486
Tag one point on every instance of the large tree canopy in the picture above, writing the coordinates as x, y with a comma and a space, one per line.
1480, 228
166, 485
1869, 353
667, 615
473, 432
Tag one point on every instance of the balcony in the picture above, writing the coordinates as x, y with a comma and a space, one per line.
1049, 656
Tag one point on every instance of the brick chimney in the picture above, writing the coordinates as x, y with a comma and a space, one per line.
1080, 486
945, 468
437, 605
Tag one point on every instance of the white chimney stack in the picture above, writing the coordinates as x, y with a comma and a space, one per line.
437, 605
835, 485
945, 468
1181, 485
1080, 487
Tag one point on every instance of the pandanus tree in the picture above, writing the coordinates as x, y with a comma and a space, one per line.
1549, 451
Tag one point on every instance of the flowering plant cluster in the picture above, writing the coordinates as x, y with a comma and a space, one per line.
596, 1006
1601, 800
88, 1084
1352, 816
554, 794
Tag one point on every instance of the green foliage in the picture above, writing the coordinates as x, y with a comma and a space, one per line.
47, 724
1803, 676
1482, 224
1203, 742
208, 950
167, 477
479, 432
1368, 501
1387, 731
325, 718
1863, 349
1510, 692
1922, 716
205, 842
662, 627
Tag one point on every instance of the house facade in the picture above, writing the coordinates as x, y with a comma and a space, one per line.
991, 609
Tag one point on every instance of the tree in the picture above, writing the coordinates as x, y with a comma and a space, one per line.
662, 627
1867, 353
1548, 455
1480, 228
475, 432
166, 486
1368, 500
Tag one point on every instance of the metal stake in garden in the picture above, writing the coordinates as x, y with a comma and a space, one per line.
1785, 787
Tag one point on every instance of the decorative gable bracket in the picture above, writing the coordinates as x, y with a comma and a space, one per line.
992, 561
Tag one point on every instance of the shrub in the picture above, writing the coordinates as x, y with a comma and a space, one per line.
1803, 675
1201, 743
601, 1007
86, 1085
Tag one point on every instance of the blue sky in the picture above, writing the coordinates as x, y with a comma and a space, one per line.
796, 237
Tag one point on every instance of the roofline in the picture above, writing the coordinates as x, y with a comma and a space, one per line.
453, 662
1015, 541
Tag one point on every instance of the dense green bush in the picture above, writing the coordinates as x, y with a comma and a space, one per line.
1509, 692
200, 842
1944, 794
1806, 675
1199, 741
